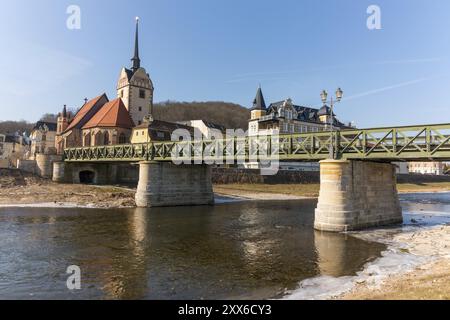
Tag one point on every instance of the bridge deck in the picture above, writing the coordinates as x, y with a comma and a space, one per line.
408, 143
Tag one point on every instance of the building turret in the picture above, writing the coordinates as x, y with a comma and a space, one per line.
324, 114
63, 121
259, 105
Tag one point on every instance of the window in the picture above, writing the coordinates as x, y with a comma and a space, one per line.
106, 139
142, 94
122, 138
288, 114
139, 122
87, 140
121, 93
44, 137
137, 133
160, 134
140, 108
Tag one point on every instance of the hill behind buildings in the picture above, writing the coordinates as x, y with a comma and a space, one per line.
227, 114
11, 127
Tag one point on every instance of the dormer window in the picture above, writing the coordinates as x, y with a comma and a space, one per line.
288, 114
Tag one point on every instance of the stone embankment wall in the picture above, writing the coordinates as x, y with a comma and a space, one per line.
44, 164
252, 176
421, 178
27, 165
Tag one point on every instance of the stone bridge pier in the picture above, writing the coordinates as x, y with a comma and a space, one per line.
164, 184
356, 195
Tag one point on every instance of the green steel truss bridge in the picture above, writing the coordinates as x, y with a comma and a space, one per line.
408, 143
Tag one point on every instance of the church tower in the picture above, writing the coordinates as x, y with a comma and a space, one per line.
135, 87
62, 124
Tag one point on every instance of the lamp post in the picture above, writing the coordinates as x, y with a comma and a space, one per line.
324, 97
148, 119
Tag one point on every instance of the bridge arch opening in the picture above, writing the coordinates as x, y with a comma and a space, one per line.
87, 177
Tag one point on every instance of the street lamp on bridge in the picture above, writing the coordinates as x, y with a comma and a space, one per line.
324, 97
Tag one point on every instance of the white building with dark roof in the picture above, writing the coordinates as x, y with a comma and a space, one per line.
284, 117
43, 137
207, 129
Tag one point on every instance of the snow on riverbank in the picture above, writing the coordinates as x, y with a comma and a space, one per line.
424, 238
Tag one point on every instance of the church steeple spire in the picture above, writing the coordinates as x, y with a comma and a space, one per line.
136, 60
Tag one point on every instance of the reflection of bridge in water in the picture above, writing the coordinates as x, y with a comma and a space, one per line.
352, 183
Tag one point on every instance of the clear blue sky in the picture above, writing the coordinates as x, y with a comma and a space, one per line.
198, 50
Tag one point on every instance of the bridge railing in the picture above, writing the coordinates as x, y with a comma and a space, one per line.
391, 144
409, 143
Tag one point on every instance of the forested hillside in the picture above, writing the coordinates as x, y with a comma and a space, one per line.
11, 127
229, 115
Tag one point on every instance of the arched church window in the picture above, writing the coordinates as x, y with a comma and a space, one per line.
106, 139
98, 139
122, 138
87, 140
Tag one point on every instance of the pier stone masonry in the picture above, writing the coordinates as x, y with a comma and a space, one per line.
355, 195
59, 172
166, 184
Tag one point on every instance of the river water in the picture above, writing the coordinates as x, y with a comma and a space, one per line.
239, 250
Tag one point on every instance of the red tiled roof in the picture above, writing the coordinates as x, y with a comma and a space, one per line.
112, 114
86, 111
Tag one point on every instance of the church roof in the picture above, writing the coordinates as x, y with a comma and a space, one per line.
112, 114
86, 112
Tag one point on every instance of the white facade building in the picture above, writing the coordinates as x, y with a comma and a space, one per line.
286, 118
429, 168
207, 129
